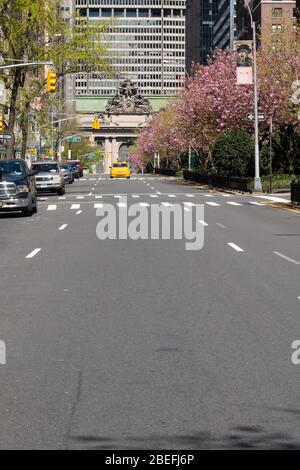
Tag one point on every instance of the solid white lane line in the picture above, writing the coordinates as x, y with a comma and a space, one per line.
33, 253
98, 206
52, 207
144, 204
78, 212
286, 257
273, 198
203, 223
235, 247
215, 204
75, 206
220, 225
63, 227
233, 203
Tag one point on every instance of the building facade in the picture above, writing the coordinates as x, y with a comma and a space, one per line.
200, 18
267, 14
225, 25
146, 45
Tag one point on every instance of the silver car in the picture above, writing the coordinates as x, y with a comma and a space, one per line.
49, 177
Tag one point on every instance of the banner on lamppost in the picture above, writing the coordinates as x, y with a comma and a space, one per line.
244, 63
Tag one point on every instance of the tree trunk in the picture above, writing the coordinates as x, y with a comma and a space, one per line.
24, 138
12, 112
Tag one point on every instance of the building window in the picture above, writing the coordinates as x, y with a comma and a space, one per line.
276, 12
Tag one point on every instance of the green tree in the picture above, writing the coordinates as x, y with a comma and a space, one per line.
233, 154
32, 30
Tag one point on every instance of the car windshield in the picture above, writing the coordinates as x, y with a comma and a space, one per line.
120, 165
11, 168
65, 167
45, 167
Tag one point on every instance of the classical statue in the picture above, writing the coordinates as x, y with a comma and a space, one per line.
128, 100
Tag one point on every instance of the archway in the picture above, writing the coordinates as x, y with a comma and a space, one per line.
124, 150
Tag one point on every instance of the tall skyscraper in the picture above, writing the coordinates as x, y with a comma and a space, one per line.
146, 44
200, 18
225, 25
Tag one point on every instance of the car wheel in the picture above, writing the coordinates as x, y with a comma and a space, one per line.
35, 207
29, 210
62, 191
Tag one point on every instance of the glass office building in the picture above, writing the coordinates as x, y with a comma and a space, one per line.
146, 44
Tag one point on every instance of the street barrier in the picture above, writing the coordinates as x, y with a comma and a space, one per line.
224, 182
295, 192
165, 171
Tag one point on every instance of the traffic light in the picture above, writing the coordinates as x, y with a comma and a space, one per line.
51, 82
96, 123
1, 124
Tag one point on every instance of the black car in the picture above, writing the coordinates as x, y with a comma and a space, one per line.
17, 187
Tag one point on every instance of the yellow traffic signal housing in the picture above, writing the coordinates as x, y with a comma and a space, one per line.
1, 124
96, 123
51, 82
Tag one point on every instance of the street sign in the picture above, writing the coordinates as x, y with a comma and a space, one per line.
260, 116
5, 136
73, 139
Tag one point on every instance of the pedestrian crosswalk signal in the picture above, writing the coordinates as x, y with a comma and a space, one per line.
51, 82
1, 124
96, 123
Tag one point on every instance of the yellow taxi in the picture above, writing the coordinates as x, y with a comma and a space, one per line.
119, 170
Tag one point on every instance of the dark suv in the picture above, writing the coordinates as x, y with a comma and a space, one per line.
17, 187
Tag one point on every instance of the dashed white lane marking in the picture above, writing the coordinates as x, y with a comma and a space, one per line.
89, 194
226, 195
256, 203
232, 203
33, 253
190, 195
151, 195
98, 206
78, 212
215, 204
92, 179
157, 192
202, 222
235, 247
151, 187
98, 197
190, 204
220, 225
62, 198
42, 198
171, 195
63, 227
121, 204
135, 195
286, 257
75, 207
117, 196
144, 204
208, 195
167, 204
80, 197
52, 207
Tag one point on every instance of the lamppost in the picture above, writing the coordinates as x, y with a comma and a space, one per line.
257, 180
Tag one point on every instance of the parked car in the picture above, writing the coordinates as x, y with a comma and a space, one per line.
17, 187
68, 173
49, 177
77, 164
119, 170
